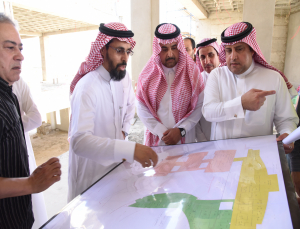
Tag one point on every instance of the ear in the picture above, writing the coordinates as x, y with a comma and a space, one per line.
195, 49
251, 50
103, 51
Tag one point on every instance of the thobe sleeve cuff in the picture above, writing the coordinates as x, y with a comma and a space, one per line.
234, 109
159, 130
124, 150
288, 131
187, 124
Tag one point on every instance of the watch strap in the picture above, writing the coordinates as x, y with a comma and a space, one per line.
182, 132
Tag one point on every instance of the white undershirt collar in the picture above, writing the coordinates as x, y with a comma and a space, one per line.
167, 70
247, 71
104, 73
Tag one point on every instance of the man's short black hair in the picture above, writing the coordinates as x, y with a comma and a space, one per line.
192, 41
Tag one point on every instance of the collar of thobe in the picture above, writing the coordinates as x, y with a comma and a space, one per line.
104, 73
246, 72
168, 70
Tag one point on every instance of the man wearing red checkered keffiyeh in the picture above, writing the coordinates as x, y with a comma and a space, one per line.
102, 103
258, 57
247, 95
169, 91
207, 59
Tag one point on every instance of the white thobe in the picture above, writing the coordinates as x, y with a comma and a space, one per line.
31, 119
165, 114
223, 107
203, 126
101, 110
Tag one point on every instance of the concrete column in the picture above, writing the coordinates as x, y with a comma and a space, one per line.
64, 119
261, 15
43, 45
144, 19
292, 66
154, 18
51, 119
6, 8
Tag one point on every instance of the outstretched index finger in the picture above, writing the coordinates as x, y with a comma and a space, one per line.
266, 93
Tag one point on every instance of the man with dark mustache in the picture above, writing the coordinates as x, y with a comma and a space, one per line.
247, 95
207, 59
102, 103
169, 97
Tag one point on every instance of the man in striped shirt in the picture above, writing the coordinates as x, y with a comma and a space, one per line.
16, 186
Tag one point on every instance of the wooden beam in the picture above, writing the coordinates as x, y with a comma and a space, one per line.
25, 37
94, 27
28, 33
195, 8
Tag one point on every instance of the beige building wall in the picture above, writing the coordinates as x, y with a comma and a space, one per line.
215, 25
262, 18
279, 41
292, 63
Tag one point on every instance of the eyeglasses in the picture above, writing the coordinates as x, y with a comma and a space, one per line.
121, 51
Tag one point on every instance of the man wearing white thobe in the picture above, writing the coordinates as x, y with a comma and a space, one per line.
31, 119
165, 114
169, 97
207, 59
102, 106
245, 97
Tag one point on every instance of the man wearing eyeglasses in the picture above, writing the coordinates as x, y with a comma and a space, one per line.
102, 103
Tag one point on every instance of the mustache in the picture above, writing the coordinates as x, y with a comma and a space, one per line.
170, 58
208, 65
123, 63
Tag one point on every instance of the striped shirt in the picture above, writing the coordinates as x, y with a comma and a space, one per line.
15, 212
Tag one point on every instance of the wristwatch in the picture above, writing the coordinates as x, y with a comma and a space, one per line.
182, 132
126, 134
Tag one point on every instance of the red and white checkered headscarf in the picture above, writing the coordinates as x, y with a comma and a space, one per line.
95, 59
215, 45
152, 84
251, 41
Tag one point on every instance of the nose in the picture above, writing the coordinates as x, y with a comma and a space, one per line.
19, 56
206, 60
233, 54
170, 53
125, 57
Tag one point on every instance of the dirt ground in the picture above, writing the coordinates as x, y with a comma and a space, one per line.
56, 142
47, 146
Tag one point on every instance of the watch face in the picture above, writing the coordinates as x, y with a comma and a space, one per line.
182, 132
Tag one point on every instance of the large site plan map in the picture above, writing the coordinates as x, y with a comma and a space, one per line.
226, 184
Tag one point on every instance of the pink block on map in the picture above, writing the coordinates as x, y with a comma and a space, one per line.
221, 162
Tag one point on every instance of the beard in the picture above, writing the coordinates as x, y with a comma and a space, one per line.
115, 74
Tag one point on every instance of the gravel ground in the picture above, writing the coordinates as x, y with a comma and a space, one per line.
136, 132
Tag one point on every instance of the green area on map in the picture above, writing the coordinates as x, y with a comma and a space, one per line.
204, 214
